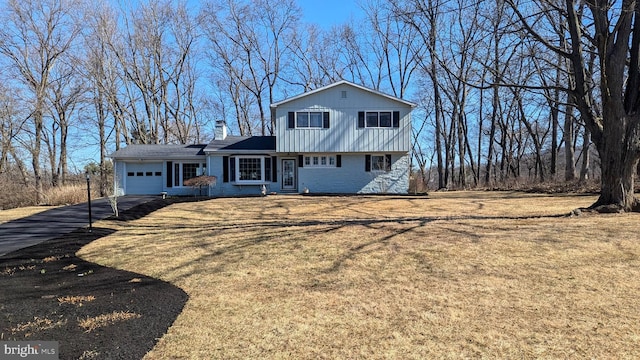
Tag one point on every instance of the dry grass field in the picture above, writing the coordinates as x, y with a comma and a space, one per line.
452, 275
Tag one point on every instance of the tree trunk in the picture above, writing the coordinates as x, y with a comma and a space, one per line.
617, 180
569, 152
586, 158
619, 158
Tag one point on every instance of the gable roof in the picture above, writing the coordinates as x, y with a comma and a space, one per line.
159, 152
242, 144
342, 82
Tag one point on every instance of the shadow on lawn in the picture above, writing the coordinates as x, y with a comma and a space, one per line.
48, 294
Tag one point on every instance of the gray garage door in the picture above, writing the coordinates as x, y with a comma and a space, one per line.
144, 178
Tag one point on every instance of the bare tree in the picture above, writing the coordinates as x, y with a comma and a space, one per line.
35, 35
249, 41
614, 28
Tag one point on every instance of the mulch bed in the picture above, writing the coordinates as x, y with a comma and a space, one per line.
49, 294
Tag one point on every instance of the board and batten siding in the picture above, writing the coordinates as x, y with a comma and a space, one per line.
343, 134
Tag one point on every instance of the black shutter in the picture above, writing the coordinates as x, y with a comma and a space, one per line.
396, 119
338, 160
325, 120
300, 161
274, 169
169, 174
232, 169
360, 119
267, 169
367, 163
225, 169
291, 123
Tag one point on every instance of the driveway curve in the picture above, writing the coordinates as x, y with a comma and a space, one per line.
50, 224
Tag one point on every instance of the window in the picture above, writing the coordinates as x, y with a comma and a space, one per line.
130, 173
149, 173
178, 173
320, 161
189, 171
378, 162
379, 119
249, 169
308, 120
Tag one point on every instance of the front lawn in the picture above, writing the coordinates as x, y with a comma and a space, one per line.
452, 275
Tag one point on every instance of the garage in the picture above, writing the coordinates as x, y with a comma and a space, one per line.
144, 178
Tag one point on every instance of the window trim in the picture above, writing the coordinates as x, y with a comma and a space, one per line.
387, 163
310, 161
232, 168
175, 176
292, 119
363, 119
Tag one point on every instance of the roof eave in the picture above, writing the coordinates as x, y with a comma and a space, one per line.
342, 82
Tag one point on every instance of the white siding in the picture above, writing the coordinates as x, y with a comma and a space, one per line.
343, 134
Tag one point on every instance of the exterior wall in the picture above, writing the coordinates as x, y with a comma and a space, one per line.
343, 134
351, 177
155, 185
221, 188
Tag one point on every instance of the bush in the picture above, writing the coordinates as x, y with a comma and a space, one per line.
15, 194
68, 194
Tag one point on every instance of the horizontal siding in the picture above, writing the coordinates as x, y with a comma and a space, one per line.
343, 134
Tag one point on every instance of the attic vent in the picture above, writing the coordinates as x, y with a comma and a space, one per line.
343, 94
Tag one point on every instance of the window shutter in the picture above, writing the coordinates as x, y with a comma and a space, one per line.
267, 168
169, 174
387, 162
232, 169
360, 119
225, 169
325, 120
291, 123
367, 163
274, 169
338, 160
396, 119
300, 161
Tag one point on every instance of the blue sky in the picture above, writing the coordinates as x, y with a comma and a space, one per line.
327, 13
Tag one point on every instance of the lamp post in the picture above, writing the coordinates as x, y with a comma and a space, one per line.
88, 177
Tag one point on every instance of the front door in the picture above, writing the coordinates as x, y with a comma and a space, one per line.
289, 174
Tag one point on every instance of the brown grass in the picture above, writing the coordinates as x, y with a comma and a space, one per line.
36, 325
76, 300
69, 194
92, 323
455, 275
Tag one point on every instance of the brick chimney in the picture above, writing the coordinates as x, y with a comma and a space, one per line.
221, 130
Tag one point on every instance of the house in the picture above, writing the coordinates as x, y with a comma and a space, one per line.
341, 138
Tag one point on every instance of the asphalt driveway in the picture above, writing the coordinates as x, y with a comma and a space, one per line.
32, 230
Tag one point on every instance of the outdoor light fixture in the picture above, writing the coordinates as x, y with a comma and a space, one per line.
88, 177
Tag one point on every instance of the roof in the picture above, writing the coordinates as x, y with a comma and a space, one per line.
243, 144
343, 82
159, 152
